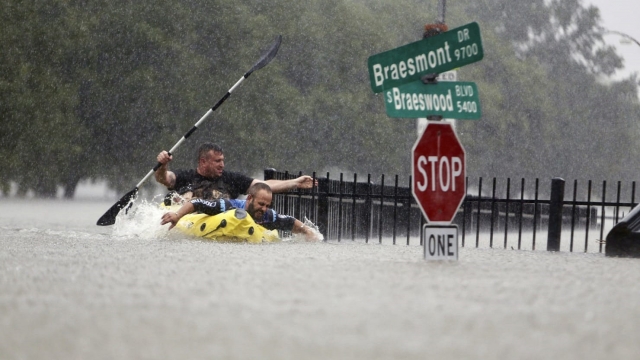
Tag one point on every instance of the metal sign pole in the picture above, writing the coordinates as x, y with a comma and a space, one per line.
442, 5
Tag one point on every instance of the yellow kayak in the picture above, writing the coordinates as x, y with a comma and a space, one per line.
234, 225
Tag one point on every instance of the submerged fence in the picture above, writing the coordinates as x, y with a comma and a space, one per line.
501, 214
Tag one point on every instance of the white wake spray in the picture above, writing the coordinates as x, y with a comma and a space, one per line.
142, 220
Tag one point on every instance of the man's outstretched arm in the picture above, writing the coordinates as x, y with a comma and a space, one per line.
209, 207
279, 186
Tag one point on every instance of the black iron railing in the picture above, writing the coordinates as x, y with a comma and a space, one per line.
372, 211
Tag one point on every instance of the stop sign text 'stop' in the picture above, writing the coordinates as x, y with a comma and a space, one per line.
439, 172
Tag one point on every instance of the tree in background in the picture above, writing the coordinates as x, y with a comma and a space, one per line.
548, 109
95, 89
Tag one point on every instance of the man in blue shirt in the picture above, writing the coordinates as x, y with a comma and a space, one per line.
257, 206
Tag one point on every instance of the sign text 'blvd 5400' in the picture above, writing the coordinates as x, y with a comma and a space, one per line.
447, 51
457, 100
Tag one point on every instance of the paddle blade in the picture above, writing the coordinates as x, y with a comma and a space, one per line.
267, 57
109, 218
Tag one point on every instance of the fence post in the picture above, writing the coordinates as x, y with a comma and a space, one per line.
323, 207
555, 214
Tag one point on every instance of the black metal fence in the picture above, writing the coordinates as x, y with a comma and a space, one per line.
502, 214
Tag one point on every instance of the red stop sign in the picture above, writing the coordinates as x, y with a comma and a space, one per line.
438, 171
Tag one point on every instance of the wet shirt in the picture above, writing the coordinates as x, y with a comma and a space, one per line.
271, 219
228, 186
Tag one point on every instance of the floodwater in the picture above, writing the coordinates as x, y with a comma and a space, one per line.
72, 290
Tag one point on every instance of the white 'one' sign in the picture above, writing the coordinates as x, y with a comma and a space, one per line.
440, 242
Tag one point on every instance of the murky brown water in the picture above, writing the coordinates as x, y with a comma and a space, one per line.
73, 290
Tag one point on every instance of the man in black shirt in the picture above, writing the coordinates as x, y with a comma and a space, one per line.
210, 181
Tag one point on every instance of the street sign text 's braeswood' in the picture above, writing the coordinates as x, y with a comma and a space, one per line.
458, 100
438, 171
437, 54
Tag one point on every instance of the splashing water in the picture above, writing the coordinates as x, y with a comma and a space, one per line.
315, 229
301, 237
142, 220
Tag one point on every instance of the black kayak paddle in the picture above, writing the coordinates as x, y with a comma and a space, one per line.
109, 217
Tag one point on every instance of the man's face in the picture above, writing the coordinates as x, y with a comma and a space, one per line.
257, 205
211, 165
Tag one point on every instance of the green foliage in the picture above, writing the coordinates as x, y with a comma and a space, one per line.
95, 89
547, 110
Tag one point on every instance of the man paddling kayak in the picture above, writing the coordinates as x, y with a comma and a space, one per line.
209, 180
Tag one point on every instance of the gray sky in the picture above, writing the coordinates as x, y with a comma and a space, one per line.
622, 16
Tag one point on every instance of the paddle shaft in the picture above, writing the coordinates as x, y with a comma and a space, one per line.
195, 126
109, 217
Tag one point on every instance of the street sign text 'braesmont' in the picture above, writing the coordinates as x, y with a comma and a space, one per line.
440, 53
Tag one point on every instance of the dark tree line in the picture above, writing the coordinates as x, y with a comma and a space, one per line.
94, 89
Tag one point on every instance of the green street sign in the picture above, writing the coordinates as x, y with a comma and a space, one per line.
437, 54
456, 100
